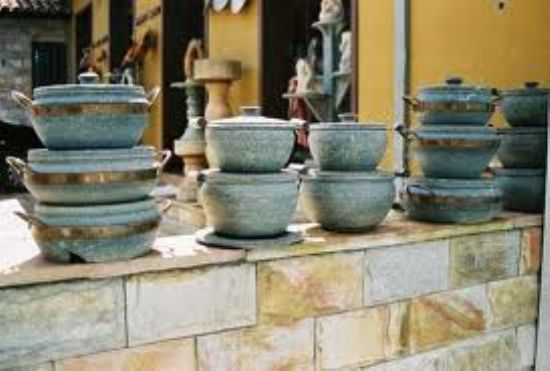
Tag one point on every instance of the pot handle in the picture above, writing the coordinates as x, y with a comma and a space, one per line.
413, 102
18, 165
30, 219
164, 205
22, 100
420, 188
406, 133
152, 95
164, 156
532, 84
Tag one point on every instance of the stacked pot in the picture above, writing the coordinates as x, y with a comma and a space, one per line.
346, 193
454, 146
247, 195
92, 183
523, 149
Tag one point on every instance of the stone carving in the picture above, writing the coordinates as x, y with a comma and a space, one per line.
194, 51
305, 77
331, 11
345, 52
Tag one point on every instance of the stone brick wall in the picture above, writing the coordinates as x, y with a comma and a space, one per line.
463, 302
16, 38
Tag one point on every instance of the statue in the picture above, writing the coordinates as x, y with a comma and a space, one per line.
345, 52
194, 51
305, 78
331, 11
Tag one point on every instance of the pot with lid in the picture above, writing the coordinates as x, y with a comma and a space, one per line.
454, 104
89, 115
527, 106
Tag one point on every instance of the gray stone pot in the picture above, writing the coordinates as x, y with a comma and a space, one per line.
523, 189
523, 147
89, 115
347, 146
452, 200
526, 107
249, 143
249, 206
458, 152
347, 201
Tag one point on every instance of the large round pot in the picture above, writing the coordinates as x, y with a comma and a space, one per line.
347, 201
347, 146
249, 206
459, 152
99, 184
249, 143
526, 107
523, 147
452, 200
454, 104
89, 115
95, 233
523, 189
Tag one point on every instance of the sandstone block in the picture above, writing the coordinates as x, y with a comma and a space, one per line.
531, 251
514, 302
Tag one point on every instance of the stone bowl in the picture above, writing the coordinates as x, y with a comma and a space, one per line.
452, 200
523, 189
523, 148
347, 146
249, 206
347, 201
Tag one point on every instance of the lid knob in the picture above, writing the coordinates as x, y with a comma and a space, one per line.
531, 84
454, 80
251, 110
88, 78
348, 117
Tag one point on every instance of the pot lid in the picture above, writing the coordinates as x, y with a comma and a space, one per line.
88, 90
531, 89
519, 172
145, 205
351, 176
456, 85
219, 177
250, 116
462, 184
49, 156
524, 130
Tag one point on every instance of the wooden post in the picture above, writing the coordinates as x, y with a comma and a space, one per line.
543, 342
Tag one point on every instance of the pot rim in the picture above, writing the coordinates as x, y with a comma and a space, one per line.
146, 204
488, 184
215, 176
348, 126
523, 130
455, 85
513, 173
315, 175
45, 156
252, 126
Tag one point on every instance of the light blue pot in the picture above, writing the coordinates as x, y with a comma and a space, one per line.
526, 107
523, 189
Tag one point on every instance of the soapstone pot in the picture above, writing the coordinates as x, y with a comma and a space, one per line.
527, 106
523, 147
523, 189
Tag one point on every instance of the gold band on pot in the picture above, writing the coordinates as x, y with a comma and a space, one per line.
90, 109
455, 143
48, 234
456, 107
107, 177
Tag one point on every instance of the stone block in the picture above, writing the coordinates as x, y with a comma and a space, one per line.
514, 302
41, 367
167, 356
259, 348
183, 303
406, 271
46, 322
293, 289
527, 344
531, 251
485, 257
361, 338
445, 318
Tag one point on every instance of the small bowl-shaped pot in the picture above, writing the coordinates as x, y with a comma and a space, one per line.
454, 104
347, 202
249, 206
458, 152
347, 146
89, 115
249, 143
452, 200
523, 189
526, 107
95, 233
523, 148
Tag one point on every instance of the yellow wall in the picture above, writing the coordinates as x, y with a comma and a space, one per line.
237, 37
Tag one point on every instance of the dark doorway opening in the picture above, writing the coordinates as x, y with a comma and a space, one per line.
83, 33
49, 63
122, 28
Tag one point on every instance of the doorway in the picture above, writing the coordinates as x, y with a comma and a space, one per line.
83, 33
122, 28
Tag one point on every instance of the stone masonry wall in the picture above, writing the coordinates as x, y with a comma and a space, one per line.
460, 303
16, 38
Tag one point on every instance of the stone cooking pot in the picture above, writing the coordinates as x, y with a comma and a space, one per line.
452, 200
88, 115
249, 206
461, 152
523, 147
249, 143
526, 107
347, 146
347, 202
67, 184
522, 189
95, 233
454, 104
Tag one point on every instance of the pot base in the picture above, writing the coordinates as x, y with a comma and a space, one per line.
208, 237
